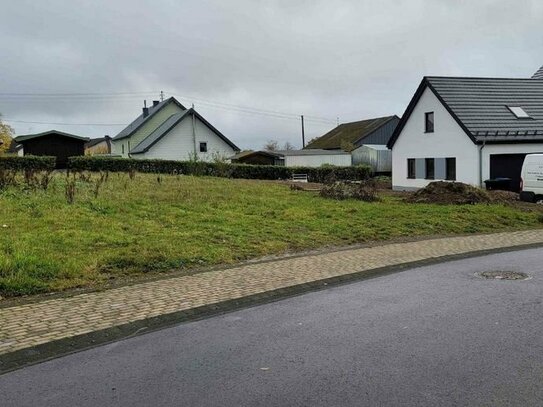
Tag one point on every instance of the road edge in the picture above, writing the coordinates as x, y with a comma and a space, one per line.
66, 346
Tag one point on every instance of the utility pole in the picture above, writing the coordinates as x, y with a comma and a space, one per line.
194, 133
303, 132
162, 96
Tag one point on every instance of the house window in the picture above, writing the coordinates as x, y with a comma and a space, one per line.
203, 147
450, 169
411, 168
429, 168
429, 122
122, 148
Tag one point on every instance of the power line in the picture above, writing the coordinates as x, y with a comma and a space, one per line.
64, 124
87, 96
70, 94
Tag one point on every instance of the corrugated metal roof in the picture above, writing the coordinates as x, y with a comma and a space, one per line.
481, 105
349, 133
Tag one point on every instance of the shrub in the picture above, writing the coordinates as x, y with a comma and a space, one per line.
362, 191
220, 169
27, 163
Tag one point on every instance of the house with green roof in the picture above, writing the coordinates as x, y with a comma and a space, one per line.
365, 140
349, 136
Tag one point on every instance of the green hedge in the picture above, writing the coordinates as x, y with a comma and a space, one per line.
269, 172
28, 162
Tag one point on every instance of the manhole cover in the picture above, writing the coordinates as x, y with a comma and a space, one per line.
503, 275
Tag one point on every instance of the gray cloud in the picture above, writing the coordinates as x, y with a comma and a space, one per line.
352, 59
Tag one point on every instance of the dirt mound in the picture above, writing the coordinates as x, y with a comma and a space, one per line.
441, 192
503, 196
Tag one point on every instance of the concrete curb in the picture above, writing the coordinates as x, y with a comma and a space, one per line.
62, 347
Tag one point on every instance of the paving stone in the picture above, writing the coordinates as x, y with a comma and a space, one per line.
22, 326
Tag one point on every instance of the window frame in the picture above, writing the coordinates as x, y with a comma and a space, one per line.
204, 145
427, 122
413, 174
426, 166
448, 176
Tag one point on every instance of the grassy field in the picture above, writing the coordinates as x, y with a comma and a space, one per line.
129, 227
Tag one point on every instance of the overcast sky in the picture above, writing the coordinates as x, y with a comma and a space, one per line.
240, 60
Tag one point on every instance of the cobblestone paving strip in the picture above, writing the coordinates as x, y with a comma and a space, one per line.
32, 324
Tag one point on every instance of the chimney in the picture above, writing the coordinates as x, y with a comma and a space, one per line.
156, 102
145, 109
538, 74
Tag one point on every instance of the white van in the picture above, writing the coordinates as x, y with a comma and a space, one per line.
531, 183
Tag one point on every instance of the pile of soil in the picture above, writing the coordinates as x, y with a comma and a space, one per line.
441, 192
503, 196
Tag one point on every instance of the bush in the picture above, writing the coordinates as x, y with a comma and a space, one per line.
28, 162
362, 191
201, 168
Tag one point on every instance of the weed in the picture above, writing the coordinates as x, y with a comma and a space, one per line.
70, 191
185, 222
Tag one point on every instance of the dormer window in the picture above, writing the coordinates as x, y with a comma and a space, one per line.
519, 112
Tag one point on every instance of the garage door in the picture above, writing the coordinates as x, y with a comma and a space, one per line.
507, 166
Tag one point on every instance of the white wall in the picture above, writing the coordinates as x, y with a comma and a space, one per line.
447, 140
343, 160
178, 143
490, 149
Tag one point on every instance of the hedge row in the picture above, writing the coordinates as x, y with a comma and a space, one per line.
268, 172
28, 162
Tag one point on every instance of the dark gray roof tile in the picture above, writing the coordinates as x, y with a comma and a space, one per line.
481, 105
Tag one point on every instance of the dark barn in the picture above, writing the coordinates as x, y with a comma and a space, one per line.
53, 143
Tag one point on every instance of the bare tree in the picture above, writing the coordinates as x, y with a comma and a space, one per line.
289, 146
271, 145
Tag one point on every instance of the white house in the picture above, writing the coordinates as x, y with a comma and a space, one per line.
468, 130
169, 131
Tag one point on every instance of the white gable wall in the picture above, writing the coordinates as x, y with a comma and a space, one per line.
447, 140
178, 143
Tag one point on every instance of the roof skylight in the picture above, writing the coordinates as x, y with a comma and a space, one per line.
519, 112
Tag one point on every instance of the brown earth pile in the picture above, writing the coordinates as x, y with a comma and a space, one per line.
441, 192
503, 196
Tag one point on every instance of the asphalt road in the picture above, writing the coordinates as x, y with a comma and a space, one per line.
430, 336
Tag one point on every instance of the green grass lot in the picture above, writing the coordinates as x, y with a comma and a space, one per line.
138, 226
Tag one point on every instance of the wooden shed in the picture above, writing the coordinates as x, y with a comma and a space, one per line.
53, 143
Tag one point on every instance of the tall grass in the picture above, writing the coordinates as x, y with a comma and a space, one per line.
86, 229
